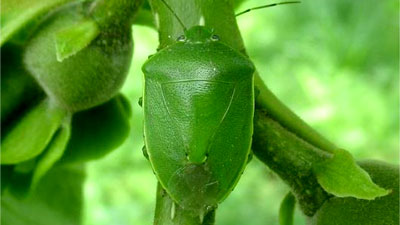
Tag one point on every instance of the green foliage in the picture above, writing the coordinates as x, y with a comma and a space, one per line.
342, 177
71, 40
287, 209
82, 145
53, 153
18, 90
334, 66
381, 211
108, 122
37, 128
25, 14
90, 77
40, 123
56, 200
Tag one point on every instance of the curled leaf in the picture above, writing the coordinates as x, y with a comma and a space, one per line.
30, 136
72, 39
97, 131
53, 153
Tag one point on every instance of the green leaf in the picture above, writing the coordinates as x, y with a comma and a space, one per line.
57, 200
25, 176
98, 131
18, 88
287, 209
30, 136
15, 15
71, 40
342, 177
53, 153
6, 172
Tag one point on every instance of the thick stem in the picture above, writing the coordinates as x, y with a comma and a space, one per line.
291, 158
114, 13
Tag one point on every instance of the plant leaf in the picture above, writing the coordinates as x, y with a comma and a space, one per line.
342, 177
97, 131
287, 209
57, 200
53, 153
18, 88
17, 14
30, 135
71, 40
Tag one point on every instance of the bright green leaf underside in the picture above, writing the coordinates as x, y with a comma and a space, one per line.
31, 135
342, 177
53, 153
56, 200
71, 40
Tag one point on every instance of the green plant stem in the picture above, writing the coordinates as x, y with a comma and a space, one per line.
266, 100
169, 213
115, 13
291, 158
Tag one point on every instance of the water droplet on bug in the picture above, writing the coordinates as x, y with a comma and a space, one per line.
173, 210
201, 216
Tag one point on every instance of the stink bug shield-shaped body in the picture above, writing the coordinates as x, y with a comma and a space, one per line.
198, 113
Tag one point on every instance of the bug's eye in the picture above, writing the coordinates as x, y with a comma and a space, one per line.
181, 38
215, 37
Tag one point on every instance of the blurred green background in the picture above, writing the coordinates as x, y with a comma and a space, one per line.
334, 63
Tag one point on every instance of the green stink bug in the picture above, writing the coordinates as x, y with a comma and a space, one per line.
198, 113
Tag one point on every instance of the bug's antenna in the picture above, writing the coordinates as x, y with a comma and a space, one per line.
176, 16
265, 6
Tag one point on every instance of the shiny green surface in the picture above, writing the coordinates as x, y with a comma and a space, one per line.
198, 110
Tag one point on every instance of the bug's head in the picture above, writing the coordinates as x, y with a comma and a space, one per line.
198, 34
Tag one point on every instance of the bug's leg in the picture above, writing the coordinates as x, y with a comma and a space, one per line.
140, 101
145, 154
266, 6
